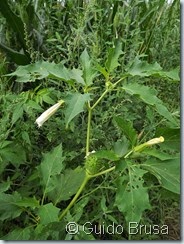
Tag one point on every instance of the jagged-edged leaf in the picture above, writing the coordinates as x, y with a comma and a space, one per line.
30, 72
51, 165
75, 105
131, 196
18, 234
17, 112
143, 69
8, 208
113, 56
76, 74
127, 128
5, 185
28, 202
148, 95
88, 71
66, 184
13, 153
48, 213
167, 172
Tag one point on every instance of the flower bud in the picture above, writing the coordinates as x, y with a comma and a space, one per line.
48, 113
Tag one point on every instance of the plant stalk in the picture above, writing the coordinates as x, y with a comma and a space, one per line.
86, 179
88, 129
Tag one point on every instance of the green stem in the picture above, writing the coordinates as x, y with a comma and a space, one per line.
88, 129
103, 172
86, 179
100, 98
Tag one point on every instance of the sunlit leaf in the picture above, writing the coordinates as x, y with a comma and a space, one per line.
113, 56
148, 95
88, 71
75, 105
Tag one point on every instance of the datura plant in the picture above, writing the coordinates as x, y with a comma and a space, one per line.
128, 162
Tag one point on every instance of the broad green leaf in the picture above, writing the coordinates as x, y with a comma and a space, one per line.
113, 56
121, 147
51, 165
148, 95
30, 72
75, 105
8, 208
28, 202
167, 173
57, 70
131, 196
66, 185
171, 138
19, 234
76, 74
13, 153
159, 154
48, 213
17, 113
4, 186
172, 74
88, 71
127, 128
102, 70
143, 69
107, 154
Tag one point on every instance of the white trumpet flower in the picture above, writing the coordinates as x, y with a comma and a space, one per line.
48, 113
148, 143
155, 141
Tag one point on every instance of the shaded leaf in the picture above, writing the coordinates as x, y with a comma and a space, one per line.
48, 213
127, 129
28, 202
167, 173
159, 154
171, 138
66, 184
51, 165
18, 234
8, 208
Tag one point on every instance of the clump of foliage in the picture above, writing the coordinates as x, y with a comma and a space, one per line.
107, 148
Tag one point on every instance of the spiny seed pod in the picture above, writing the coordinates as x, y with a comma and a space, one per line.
93, 165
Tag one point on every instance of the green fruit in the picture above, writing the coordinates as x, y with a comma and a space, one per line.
93, 165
